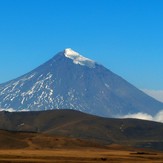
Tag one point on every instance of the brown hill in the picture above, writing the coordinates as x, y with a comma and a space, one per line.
77, 125
31, 140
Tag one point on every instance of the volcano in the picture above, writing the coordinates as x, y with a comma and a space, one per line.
72, 81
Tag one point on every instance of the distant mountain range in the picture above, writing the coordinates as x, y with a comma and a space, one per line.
71, 81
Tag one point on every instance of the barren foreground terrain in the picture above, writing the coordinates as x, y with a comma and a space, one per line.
75, 137
80, 155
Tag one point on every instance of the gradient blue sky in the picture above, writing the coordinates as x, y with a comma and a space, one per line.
125, 36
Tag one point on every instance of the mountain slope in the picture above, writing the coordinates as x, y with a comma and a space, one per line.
31, 140
78, 125
71, 81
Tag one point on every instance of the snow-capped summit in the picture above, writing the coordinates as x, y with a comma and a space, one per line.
78, 59
85, 86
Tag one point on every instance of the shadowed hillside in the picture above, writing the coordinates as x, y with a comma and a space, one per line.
74, 124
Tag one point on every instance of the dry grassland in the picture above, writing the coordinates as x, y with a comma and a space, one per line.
80, 155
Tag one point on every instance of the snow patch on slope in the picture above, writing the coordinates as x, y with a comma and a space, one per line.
79, 59
37, 95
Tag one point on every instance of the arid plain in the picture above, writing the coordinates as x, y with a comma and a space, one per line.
84, 155
20, 147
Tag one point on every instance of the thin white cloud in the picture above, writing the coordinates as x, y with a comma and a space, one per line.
157, 94
140, 115
158, 117
12, 110
9, 109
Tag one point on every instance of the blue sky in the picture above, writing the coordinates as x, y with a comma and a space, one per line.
125, 36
